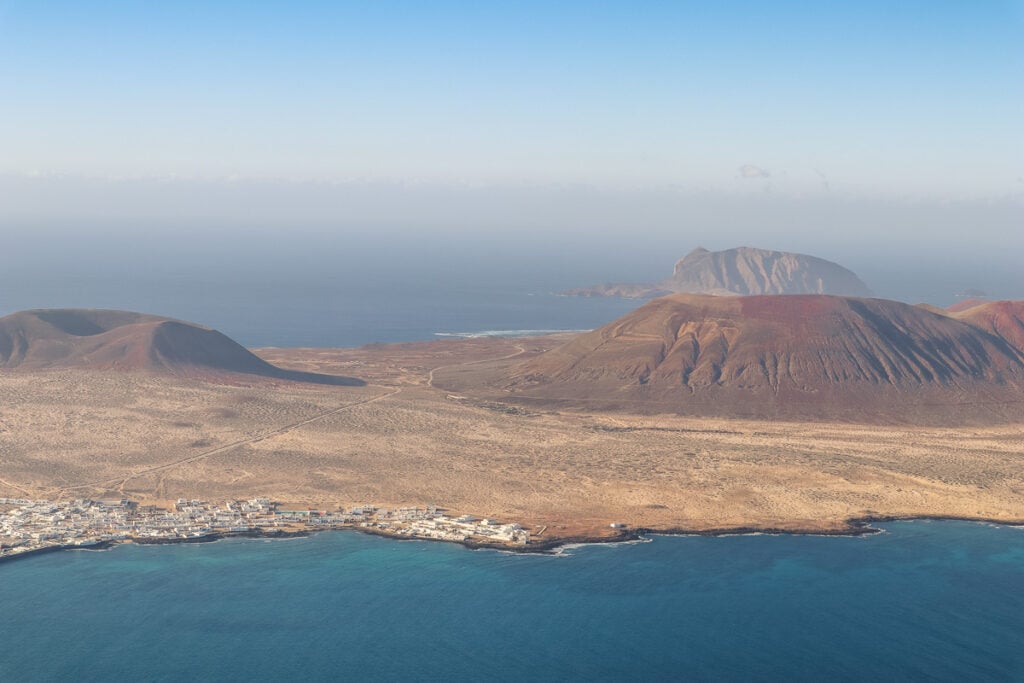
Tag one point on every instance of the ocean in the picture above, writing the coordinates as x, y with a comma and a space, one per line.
304, 291
936, 601
328, 299
924, 601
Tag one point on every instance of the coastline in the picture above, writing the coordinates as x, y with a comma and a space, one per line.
856, 527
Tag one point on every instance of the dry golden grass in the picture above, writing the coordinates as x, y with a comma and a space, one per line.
402, 441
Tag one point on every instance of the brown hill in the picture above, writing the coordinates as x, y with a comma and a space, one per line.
799, 357
1004, 319
964, 304
121, 340
741, 272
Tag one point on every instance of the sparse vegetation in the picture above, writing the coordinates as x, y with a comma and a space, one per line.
399, 441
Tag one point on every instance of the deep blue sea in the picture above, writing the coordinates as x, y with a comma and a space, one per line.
925, 601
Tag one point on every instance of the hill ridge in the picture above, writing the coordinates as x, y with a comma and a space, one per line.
787, 356
106, 339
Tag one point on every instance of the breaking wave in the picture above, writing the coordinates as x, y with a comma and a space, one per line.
502, 333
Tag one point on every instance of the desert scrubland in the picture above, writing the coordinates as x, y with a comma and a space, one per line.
407, 438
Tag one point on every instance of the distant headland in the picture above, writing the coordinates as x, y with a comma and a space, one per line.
742, 271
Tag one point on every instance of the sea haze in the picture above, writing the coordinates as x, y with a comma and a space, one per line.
925, 601
328, 294
333, 290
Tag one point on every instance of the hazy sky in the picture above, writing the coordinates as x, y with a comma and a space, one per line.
866, 97
606, 138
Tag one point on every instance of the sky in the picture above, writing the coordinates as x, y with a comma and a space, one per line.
866, 96
635, 129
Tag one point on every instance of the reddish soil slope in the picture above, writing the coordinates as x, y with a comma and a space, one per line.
1004, 319
965, 304
796, 356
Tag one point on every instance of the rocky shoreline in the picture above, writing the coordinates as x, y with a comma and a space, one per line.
858, 526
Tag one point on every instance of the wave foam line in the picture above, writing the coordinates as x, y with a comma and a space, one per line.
502, 333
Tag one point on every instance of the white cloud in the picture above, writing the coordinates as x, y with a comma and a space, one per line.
751, 171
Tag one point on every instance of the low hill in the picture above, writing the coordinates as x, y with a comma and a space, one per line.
965, 304
121, 340
742, 271
793, 357
1003, 319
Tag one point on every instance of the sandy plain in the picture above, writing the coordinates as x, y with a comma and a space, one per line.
405, 439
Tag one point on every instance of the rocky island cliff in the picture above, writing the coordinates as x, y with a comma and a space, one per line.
743, 271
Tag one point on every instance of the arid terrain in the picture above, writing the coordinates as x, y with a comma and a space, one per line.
404, 439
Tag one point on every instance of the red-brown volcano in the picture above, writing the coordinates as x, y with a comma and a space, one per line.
797, 356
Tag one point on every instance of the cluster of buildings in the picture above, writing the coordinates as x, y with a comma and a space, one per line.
415, 522
35, 525
467, 528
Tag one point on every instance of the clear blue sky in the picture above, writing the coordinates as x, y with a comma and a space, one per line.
867, 97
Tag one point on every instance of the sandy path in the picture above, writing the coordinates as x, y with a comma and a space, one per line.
15, 486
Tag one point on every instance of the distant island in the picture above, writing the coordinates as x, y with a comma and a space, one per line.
739, 272
691, 414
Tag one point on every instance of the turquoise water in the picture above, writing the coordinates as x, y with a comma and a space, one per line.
924, 601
